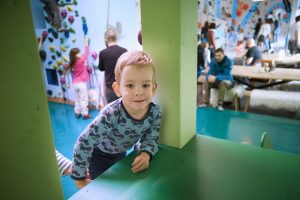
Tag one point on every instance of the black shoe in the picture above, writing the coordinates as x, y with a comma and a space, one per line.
77, 116
88, 116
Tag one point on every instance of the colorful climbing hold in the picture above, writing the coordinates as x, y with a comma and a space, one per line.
71, 19
246, 6
69, 8
72, 30
43, 55
95, 65
50, 39
44, 35
50, 62
65, 24
58, 54
65, 59
59, 62
62, 80
63, 48
67, 34
94, 55
90, 69
55, 66
239, 13
53, 57
55, 34
74, 40
76, 13
59, 93
68, 85
64, 13
52, 48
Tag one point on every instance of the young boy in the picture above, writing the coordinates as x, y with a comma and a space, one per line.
122, 123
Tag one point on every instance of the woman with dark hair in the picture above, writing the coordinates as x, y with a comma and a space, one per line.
211, 36
204, 31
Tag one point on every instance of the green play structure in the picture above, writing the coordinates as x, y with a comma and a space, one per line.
28, 160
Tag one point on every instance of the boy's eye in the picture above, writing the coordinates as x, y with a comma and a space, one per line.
146, 85
129, 85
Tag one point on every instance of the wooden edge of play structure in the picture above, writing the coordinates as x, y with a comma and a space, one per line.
237, 101
68, 102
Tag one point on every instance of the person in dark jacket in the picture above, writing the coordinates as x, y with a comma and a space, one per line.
219, 76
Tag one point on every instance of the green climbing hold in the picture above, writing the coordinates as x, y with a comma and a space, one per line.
53, 57
50, 39
61, 40
55, 34
83, 19
75, 2
76, 13
71, 30
65, 24
58, 54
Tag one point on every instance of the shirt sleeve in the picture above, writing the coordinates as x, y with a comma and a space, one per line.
63, 163
211, 69
149, 139
87, 141
101, 65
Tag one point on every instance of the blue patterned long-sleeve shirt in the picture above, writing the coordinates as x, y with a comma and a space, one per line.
115, 131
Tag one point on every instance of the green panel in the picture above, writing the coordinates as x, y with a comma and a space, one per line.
207, 169
188, 66
28, 162
174, 52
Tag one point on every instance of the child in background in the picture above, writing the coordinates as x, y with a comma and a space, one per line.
78, 62
121, 123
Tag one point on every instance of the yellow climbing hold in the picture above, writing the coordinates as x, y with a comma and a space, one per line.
63, 48
65, 59
74, 40
59, 62
55, 66
69, 8
52, 48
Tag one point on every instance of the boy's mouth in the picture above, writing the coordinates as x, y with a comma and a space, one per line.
139, 101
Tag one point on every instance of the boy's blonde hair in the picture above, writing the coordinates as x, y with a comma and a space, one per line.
137, 58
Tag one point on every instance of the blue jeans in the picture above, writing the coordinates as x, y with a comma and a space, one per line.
101, 161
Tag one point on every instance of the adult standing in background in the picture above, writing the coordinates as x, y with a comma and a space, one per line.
107, 62
266, 31
257, 27
211, 36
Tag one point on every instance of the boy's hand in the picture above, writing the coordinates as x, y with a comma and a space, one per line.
80, 184
141, 162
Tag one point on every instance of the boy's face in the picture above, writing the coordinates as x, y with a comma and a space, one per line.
136, 87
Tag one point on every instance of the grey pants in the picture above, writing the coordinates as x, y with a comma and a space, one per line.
221, 85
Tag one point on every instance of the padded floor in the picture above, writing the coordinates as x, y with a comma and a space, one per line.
247, 128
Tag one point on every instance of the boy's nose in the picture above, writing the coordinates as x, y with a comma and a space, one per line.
138, 92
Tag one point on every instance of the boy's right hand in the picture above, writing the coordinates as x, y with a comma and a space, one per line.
81, 183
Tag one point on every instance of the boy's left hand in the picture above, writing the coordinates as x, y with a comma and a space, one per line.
141, 162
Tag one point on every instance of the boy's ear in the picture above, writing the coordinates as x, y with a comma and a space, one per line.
154, 88
116, 89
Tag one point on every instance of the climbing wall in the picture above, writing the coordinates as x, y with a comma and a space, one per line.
77, 19
239, 13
